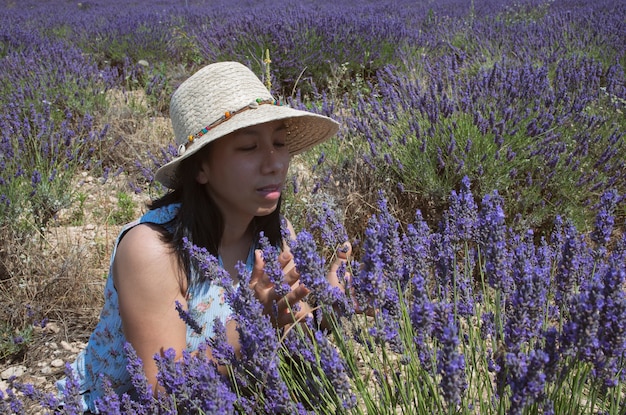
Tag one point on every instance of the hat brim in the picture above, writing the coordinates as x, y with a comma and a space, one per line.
305, 130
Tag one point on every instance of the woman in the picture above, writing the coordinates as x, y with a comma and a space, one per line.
234, 148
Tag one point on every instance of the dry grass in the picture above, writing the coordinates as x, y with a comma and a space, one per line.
57, 274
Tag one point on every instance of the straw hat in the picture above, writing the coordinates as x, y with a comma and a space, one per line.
227, 96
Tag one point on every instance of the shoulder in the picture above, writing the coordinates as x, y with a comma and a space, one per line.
143, 258
144, 238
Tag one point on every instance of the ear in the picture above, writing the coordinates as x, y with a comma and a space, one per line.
202, 176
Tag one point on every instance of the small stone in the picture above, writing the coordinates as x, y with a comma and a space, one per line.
57, 363
52, 327
47, 370
16, 371
38, 380
65, 345
53, 346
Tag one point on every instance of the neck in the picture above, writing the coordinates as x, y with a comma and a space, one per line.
235, 246
234, 234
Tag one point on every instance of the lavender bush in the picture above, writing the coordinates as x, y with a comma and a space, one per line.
471, 299
487, 333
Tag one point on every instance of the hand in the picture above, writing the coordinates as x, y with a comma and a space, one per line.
343, 256
265, 291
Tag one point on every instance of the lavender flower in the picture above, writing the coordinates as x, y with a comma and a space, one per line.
325, 221
188, 319
30, 392
208, 266
461, 217
312, 269
611, 335
580, 332
223, 353
194, 383
526, 304
492, 242
570, 265
605, 221
257, 368
450, 362
138, 378
416, 251
526, 378
71, 393
334, 369
272, 267
382, 276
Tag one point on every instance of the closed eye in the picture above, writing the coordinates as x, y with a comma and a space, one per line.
247, 148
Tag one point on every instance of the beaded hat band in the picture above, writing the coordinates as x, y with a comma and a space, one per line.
225, 97
227, 115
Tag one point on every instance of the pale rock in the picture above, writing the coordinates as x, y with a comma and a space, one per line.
38, 380
57, 363
52, 327
46, 370
65, 345
16, 371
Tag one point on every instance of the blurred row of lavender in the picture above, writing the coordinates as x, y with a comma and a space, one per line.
527, 98
514, 307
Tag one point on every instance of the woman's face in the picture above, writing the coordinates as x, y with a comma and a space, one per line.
244, 171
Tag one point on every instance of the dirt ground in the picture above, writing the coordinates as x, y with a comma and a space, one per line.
76, 257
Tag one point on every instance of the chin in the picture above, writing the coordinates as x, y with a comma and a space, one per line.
266, 211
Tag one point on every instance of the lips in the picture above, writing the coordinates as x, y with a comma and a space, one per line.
270, 188
270, 192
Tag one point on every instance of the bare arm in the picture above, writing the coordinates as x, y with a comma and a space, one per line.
146, 275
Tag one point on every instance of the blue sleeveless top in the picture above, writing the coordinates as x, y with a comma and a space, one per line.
104, 354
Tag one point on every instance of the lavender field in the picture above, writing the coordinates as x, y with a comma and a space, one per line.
479, 174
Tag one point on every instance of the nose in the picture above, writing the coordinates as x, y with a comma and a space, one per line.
274, 160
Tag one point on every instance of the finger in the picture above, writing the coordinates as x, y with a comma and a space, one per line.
291, 274
295, 314
285, 258
257, 268
343, 254
345, 251
258, 277
293, 297
292, 316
